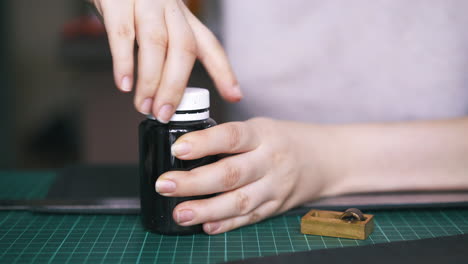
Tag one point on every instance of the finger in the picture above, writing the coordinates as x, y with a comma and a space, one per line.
214, 58
118, 19
230, 204
233, 137
263, 211
181, 56
153, 42
225, 175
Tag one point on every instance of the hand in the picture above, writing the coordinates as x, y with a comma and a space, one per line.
272, 172
170, 38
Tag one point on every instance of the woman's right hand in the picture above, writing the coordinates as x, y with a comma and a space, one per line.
170, 38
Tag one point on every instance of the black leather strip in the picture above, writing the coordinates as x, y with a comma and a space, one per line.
440, 250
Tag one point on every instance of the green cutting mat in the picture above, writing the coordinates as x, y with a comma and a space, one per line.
25, 185
29, 238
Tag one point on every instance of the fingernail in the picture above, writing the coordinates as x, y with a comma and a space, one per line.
213, 227
126, 84
237, 91
185, 216
146, 106
180, 149
165, 186
165, 113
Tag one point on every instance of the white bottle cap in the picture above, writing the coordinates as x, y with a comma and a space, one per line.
194, 106
194, 99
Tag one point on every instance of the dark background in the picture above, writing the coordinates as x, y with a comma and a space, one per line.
58, 102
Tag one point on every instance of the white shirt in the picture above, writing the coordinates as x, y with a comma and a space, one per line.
338, 61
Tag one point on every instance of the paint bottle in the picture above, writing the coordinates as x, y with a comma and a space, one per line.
155, 144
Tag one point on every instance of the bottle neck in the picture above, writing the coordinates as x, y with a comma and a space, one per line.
190, 115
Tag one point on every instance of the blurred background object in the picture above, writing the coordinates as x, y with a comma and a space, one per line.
58, 101
6, 127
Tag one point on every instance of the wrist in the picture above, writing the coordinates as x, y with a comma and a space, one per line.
318, 153
329, 156
334, 152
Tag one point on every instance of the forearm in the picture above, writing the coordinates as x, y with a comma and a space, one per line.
425, 155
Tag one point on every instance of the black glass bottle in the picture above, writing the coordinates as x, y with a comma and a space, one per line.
156, 140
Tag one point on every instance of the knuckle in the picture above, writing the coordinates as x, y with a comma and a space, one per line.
254, 218
261, 126
124, 31
242, 202
202, 134
278, 157
234, 135
190, 48
231, 176
156, 38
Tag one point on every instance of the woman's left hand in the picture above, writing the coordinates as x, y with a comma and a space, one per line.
275, 168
